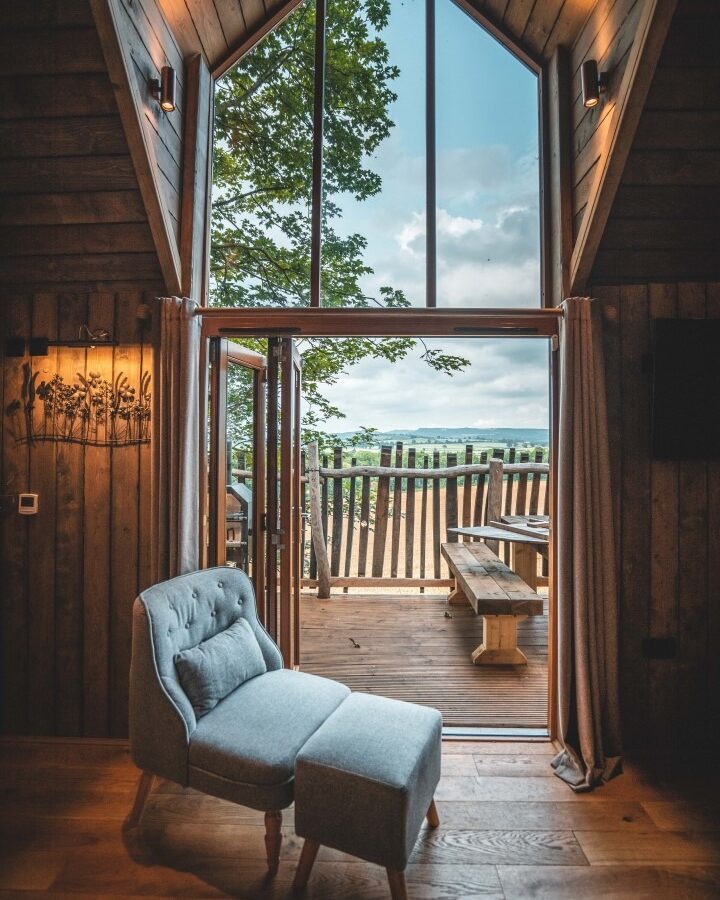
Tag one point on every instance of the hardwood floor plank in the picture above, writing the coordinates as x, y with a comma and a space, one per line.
514, 765
33, 870
679, 816
539, 814
609, 883
605, 848
542, 848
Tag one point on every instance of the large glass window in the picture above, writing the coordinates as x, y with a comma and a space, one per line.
427, 188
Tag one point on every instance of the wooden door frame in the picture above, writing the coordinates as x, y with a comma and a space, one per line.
214, 456
420, 322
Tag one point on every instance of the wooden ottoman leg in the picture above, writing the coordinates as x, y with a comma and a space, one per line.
273, 840
398, 888
499, 646
432, 817
143, 790
307, 859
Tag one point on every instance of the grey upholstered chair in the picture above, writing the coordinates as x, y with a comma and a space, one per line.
244, 749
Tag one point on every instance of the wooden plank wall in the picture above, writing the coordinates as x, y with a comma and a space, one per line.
607, 36
668, 522
148, 44
75, 248
71, 215
665, 221
72, 571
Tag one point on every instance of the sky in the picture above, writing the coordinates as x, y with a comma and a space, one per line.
488, 229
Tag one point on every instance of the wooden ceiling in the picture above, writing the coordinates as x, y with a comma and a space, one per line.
222, 30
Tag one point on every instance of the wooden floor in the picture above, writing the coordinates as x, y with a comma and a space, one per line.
409, 649
509, 830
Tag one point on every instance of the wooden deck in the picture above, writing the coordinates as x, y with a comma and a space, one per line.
411, 651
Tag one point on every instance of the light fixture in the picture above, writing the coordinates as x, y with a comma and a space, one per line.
163, 88
593, 84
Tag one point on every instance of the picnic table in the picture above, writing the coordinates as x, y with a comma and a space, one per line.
495, 592
525, 540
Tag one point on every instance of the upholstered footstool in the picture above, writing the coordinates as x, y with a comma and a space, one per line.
365, 781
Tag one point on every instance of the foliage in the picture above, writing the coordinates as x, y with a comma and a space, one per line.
260, 250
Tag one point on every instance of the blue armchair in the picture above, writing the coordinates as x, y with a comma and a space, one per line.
244, 749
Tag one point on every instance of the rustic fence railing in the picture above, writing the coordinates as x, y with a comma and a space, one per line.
383, 525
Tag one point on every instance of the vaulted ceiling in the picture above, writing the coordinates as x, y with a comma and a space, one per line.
223, 29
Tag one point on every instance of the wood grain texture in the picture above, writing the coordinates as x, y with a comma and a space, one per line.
83, 554
65, 803
70, 209
663, 224
404, 639
665, 516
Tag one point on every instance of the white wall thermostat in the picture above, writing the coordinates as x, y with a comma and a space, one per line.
28, 504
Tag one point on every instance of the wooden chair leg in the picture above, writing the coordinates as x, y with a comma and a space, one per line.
273, 840
143, 789
398, 888
433, 818
307, 859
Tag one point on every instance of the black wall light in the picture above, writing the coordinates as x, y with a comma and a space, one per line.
163, 89
593, 84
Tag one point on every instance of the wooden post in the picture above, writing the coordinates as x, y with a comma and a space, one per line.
397, 513
381, 516
410, 517
451, 501
467, 491
479, 495
437, 537
316, 526
337, 526
351, 525
494, 497
423, 522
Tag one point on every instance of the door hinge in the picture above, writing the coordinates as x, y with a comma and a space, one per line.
555, 343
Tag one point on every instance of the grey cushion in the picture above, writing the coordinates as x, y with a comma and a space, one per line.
213, 669
245, 748
365, 780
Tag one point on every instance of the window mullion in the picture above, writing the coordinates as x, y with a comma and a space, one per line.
430, 168
317, 156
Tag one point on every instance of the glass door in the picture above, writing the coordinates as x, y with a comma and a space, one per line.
284, 547
237, 461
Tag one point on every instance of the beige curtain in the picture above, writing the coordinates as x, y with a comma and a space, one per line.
586, 595
176, 435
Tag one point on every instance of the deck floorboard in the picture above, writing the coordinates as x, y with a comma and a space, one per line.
411, 651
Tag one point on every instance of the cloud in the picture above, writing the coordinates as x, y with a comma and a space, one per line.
506, 385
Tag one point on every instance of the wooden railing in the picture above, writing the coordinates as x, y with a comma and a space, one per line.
393, 518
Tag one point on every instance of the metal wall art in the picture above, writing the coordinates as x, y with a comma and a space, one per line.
86, 410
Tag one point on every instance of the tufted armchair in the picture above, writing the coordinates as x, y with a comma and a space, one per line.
244, 749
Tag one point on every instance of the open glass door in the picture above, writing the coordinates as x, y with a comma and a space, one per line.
237, 461
284, 548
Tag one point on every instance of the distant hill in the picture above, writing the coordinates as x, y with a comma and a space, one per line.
535, 436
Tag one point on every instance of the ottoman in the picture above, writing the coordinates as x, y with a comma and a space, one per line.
365, 781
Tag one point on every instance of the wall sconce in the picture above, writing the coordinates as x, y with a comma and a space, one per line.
38, 346
593, 84
163, 89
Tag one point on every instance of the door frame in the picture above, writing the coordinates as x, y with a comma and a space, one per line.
420, 322
221, 354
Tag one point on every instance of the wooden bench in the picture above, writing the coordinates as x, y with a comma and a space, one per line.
497, 594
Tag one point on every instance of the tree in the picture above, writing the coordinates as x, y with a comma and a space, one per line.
260, 249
